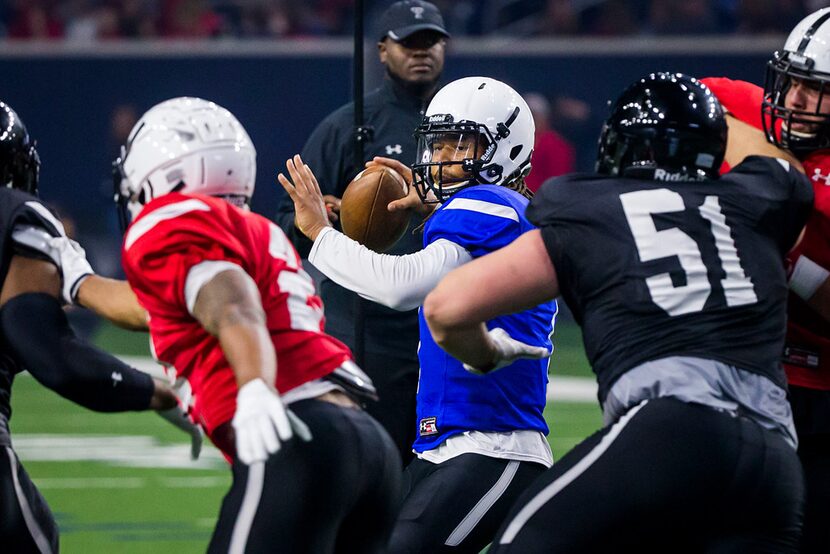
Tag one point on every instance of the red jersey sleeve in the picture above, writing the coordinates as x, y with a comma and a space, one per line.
741, 99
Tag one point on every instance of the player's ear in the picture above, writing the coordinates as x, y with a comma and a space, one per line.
382, 51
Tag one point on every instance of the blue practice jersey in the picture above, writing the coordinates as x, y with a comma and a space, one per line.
482, 219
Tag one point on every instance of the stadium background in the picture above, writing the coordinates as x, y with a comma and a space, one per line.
125, 483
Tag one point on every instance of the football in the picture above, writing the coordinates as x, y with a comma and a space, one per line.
363, 213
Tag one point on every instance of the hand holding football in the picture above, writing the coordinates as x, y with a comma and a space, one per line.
363, 213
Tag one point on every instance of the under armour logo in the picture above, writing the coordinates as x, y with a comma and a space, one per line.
817, 176
116, 378
397, 149
417, 11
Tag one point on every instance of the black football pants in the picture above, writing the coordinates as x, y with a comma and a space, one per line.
338, 493
455, 507
666, 477
26, 523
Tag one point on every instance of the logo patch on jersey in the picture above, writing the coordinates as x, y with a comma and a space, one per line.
397, 149
817, 176
801, 357
428, 427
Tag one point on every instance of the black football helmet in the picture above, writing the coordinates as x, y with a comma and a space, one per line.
666, 126
19, 162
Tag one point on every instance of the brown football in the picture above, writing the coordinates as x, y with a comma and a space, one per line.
363, 213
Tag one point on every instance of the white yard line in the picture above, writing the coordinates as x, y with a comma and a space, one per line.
131, 482
120, 450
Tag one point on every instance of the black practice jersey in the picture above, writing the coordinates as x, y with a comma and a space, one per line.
658, 268
17, 208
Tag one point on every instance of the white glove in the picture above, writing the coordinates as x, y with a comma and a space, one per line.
261, 423
178, 417
74, 266
509, 350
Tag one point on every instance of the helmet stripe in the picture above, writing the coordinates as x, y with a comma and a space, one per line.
808, 35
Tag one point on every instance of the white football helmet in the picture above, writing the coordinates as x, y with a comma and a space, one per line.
185, 145
805, 56
475, 131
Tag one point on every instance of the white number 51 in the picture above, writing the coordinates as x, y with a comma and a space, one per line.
652, 244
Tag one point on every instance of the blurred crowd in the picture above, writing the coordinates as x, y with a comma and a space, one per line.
86, 20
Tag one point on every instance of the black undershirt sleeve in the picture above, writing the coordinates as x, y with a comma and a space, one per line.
36, 332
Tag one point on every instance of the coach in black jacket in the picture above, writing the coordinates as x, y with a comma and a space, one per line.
412, 49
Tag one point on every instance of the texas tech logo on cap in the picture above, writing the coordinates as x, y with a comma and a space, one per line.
428, 427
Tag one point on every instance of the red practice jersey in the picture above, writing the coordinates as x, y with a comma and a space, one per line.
807, 355
176, 232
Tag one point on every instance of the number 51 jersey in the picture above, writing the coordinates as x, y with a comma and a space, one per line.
177, 232
659, 268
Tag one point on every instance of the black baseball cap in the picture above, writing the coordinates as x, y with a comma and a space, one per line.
405, 18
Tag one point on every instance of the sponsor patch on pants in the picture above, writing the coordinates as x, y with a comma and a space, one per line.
428, 427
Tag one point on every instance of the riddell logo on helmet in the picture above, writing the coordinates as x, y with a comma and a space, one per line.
663, 175
441, 118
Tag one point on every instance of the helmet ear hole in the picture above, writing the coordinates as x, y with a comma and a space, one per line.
515, 151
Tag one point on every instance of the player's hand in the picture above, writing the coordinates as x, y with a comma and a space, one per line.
163, 397
412, 200
261, 423
507, 350
177, 416
311, 215
74, 266
332, 207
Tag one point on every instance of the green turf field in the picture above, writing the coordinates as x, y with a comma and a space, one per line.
123, 483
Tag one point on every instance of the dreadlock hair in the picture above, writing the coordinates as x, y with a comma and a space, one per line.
519, 185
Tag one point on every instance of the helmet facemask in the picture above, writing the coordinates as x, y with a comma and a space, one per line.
451, 157
457, 155
780, 122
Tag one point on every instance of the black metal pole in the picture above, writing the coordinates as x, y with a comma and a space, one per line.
360, 137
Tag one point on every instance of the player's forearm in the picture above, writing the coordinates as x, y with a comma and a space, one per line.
40, 339
398, 282
468, 343
745, 140
113, 300
811, 282
820, 301
247, 346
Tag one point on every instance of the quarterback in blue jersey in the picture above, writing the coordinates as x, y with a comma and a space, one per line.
480, 438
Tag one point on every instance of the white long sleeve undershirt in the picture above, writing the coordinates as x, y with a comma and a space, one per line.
398, 282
